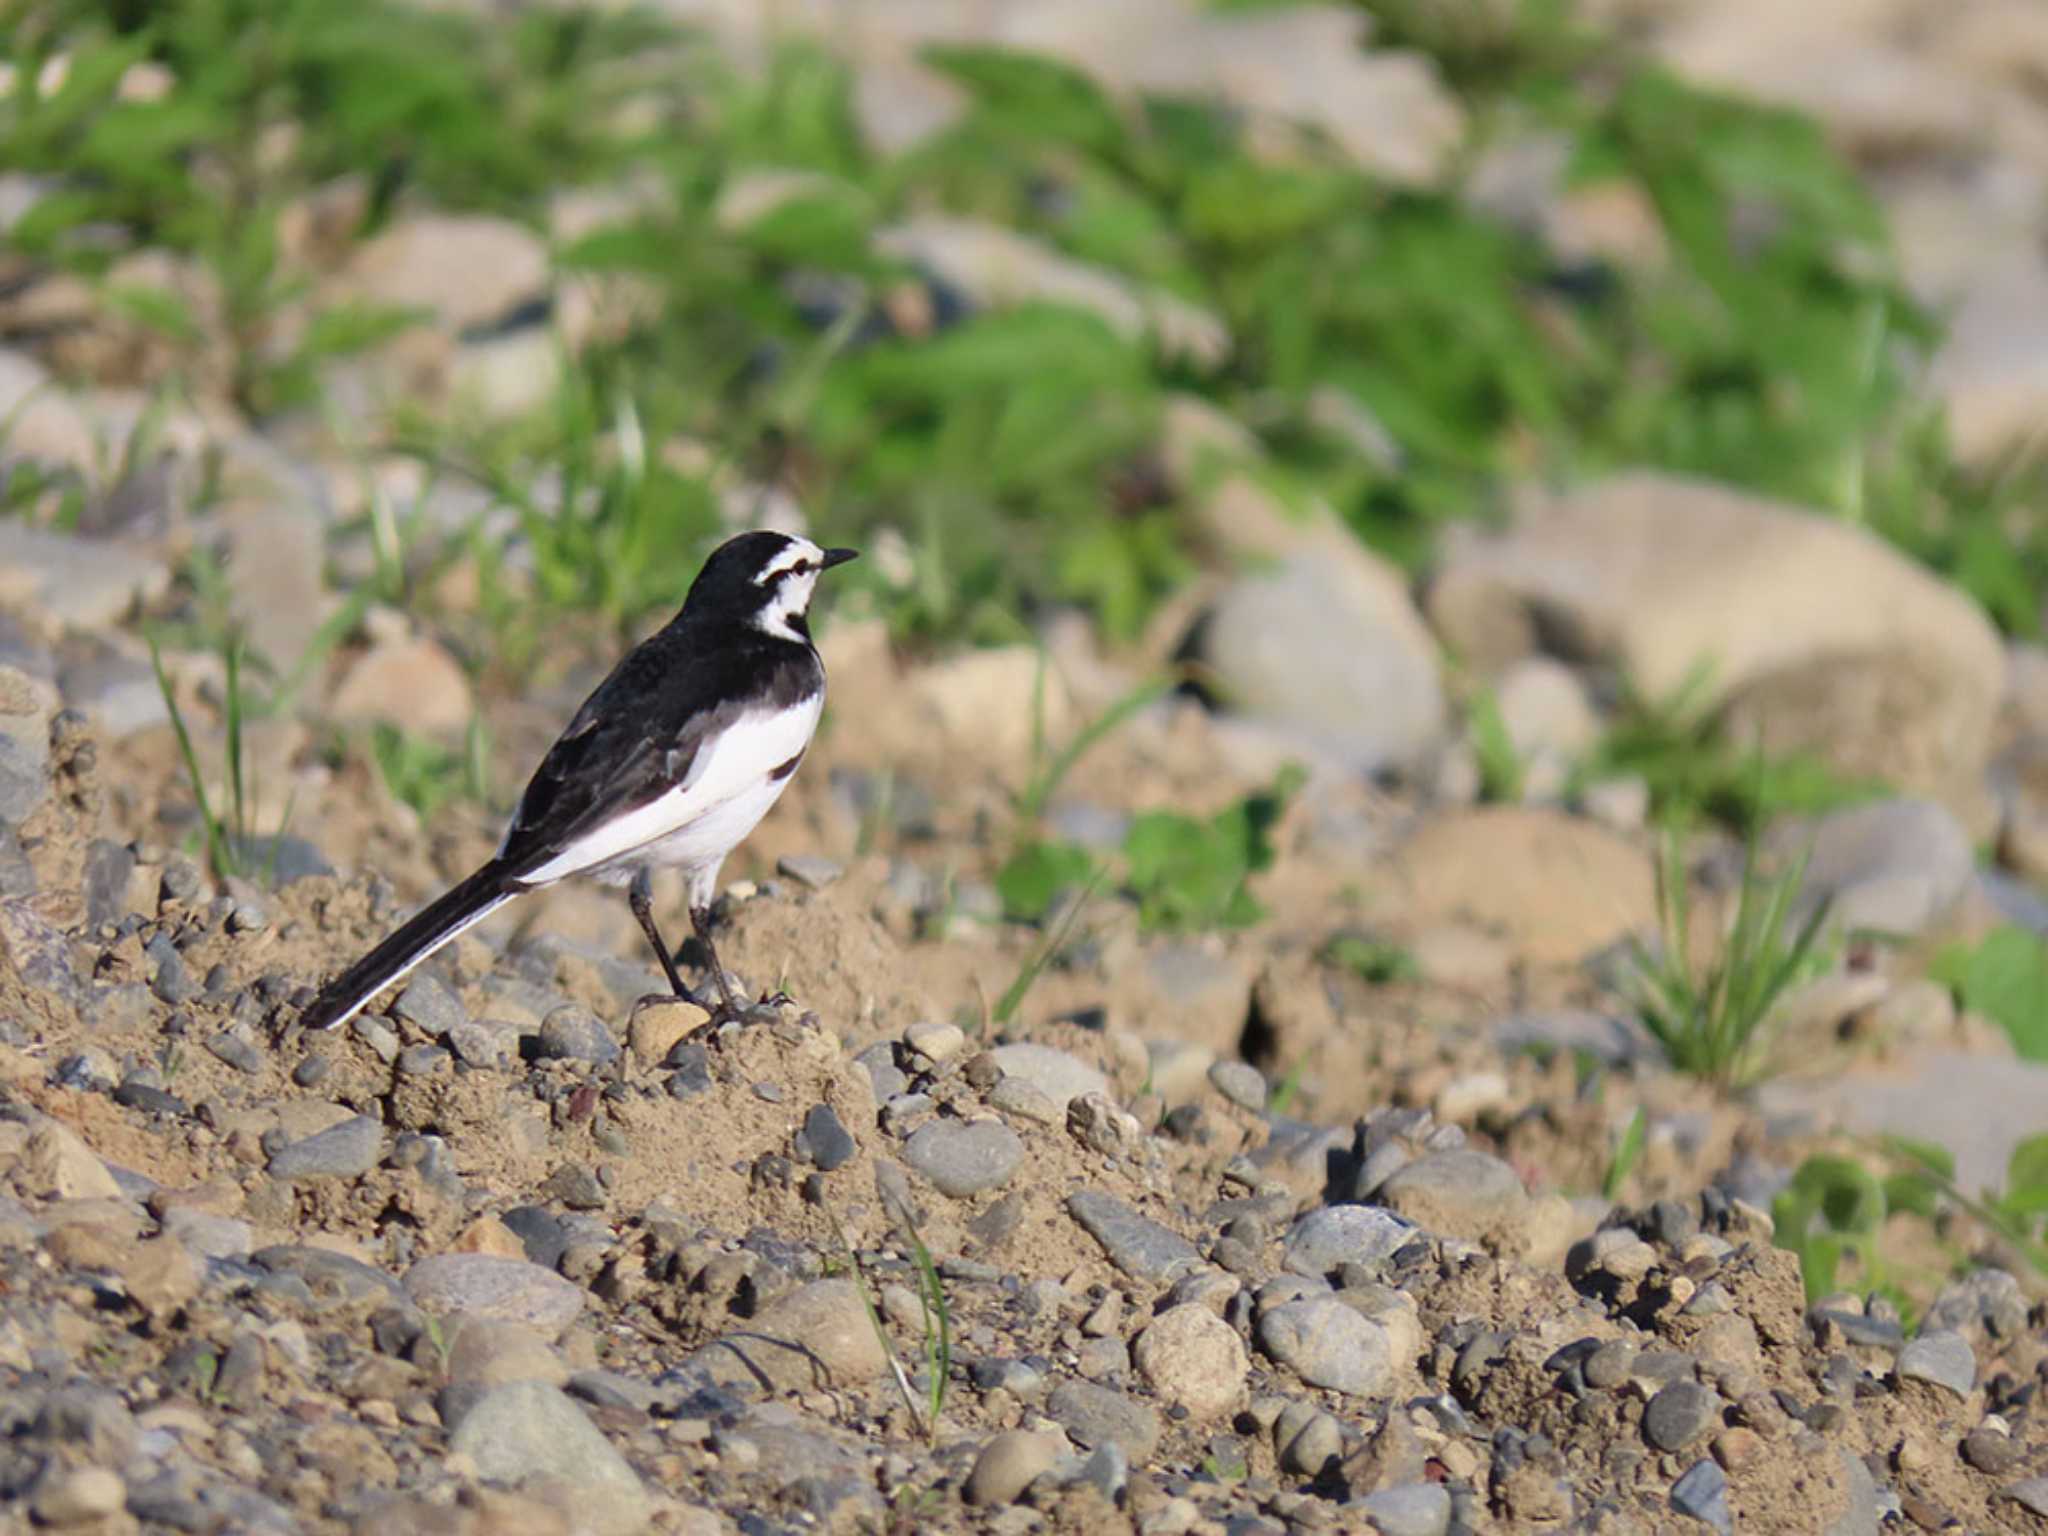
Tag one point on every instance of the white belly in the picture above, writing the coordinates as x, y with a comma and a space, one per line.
695, 825
701, 845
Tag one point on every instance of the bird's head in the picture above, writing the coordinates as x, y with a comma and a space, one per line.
763, 579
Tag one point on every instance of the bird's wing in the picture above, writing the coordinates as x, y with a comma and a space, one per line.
653, 749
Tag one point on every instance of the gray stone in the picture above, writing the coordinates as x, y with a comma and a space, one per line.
83, 583
887, 1079
1054, 1073
330, 1276
2031, 1494
1241, 1083
1897, 866
108, 866
169, 979
243, 1055
1943, 1358
118, 693
1008, 1464
1412, 1509
1329, 1344
1374, 700
1702, 1492
1978, 1106
1137, 1245
1679, 1415
573, 1033
429, 1004
510, 1290
341, 1151
1093, 1414
827, 1142
808, 870
1332, 1236
963, 1159
531, 1429
1861, 1517
1460, 1193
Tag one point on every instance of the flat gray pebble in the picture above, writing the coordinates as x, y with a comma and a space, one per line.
1332, 1236
1093, 1414
965, 1158
430, 1004
827, 1142
422, 1060
340, 1152
238, 1053
808, 870
1703, 1494
1137, 1245
529, 1428
1053, 1072
1990, 1452
1241, 1083
1611, 1364
1679, 1415
1008, 1464
573, 1033
172, 982
2030, 1494
1329, 1344
1412, 1509
312, 1070
509, 1290
1942, 1358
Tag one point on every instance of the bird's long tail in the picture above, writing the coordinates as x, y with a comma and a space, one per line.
461, 909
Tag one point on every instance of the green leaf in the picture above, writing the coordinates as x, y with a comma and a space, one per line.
1038, 874
2027, 1171
2005, 978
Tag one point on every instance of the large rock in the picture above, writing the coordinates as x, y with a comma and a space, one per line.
1556, 887
1812, 635
1372, 694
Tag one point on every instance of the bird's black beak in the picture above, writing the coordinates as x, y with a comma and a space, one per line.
839, 557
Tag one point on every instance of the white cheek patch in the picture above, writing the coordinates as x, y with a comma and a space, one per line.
791, 600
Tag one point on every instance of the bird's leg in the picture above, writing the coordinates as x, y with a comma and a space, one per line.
700, 920
640, 897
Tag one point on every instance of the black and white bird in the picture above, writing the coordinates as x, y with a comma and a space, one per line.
669, 764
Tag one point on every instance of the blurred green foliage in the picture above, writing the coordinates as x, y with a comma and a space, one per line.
1771, 346
2003, 976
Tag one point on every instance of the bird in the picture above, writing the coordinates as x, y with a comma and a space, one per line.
669, 764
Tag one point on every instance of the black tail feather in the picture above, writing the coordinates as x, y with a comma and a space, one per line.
439, 921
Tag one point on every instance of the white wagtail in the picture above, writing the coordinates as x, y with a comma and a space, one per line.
668, 765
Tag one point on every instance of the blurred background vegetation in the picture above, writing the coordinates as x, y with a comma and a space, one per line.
1403, 351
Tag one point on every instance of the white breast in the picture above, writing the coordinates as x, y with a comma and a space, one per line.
694, 826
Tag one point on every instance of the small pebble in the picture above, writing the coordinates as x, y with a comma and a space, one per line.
965, 1158
573, 1033
1241, 1083
935, 1042
1942, 1358
826, 1140
1990, 1452
808, 870
340, 1152
1008, 1464
1679, 1415
312, 1070
1703, 1494
429, 1004
1409, 1509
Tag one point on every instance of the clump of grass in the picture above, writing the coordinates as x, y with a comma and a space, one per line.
1627, 1154
230, 833
937, 1341
1710, 1017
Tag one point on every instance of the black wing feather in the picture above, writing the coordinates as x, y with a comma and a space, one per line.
638, 734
